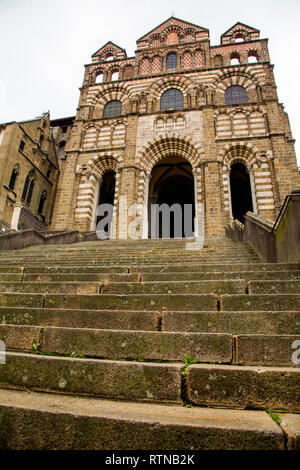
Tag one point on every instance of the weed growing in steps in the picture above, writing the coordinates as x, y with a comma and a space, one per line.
275, 416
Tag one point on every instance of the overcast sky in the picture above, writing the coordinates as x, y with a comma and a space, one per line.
45, 44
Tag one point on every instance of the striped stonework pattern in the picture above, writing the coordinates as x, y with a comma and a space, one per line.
91, 177
226, 189
264, 187
240, 123
105, 136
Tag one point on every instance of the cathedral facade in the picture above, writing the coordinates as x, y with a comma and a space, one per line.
182, 122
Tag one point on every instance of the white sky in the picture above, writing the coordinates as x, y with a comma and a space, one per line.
45, 44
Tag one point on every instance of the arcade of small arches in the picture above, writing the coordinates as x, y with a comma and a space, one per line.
173, 98
185, 60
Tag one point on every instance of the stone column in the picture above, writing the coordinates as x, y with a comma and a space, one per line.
16, 216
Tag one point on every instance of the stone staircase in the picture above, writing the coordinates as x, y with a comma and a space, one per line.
146, 345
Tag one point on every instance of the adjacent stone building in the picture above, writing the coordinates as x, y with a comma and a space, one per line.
28, 174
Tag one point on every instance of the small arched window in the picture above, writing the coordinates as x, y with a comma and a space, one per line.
235, 59
239, 38
115, 76
171, 99
28, 187
14, 175
112, 109
218, 60
171, 61
236, 94
99, 78
42, 202
252, 58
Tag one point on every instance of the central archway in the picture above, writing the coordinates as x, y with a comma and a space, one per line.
171, 202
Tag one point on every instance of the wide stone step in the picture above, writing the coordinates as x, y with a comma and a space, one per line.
155, 269
268, 350
54, 287
278, 302
235, 323
139, 302
191, 268
223, 275
80, 277
72, 270
274, 287
99, 319
274, 388
139, 381
128, 345
175, 287
255, 322
82, 423
155, 277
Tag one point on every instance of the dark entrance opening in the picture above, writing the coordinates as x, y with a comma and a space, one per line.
241, 196
106, 196
172, 183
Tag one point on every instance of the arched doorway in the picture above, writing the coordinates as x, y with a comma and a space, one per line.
171, 204
106, 196
241, 196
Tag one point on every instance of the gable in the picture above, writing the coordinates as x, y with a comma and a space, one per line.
173, 25
109, 49
240, 30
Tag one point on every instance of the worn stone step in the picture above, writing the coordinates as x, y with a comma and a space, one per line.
278, 302
217, 267
274, 287
232, 322
129, 345
268, 350
81, 277
54, 287
99, 319
72, 270
10, 269
125, 380
139, 302
175, 287
274, 388
155, 269
290, 425
11, 277
150, 257
82, 423
223, 275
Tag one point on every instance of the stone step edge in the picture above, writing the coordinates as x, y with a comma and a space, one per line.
175, 427
133, 345
170, 383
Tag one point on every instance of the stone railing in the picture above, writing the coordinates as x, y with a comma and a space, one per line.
23, 219
275, 242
